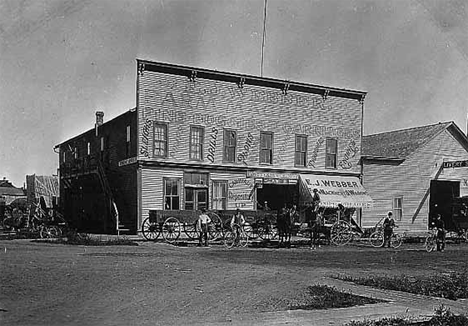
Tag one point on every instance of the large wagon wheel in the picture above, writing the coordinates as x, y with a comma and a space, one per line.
215, 228
341, 233
48, 232
150, 230
171, 229
191, 230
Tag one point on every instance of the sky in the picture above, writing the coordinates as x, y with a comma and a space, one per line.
63, 60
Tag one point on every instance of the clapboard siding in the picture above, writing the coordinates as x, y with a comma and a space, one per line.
216, 105
411, 179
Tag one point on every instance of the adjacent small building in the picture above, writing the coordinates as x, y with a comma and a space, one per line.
416, 173
42, 188
201, 138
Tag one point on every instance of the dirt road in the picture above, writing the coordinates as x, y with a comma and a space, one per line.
160, 284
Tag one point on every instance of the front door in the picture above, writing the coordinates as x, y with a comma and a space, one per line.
196, 198
442, 194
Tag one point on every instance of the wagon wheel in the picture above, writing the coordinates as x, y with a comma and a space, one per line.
171, 229
150, 230
341, 233
48, 232
190, 229
250, 231
376, 239
215, 228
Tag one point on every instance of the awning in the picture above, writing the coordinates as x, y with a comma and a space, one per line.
334, 190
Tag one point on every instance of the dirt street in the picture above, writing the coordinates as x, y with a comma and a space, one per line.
160, 284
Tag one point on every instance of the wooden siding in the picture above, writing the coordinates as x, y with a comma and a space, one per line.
215, 105
411, 179
240, 190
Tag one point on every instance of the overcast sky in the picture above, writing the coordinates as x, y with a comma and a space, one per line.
61, 60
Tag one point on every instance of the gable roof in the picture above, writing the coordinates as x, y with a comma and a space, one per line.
11, 191
399, 144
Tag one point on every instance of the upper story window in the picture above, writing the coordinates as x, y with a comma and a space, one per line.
300, 155
77, 154
89, 149
64, 156
230, 141
398, 208
102, 144
266, 147
160, 140
331, 153
196, 143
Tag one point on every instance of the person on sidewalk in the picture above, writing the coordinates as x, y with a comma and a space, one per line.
440, 225
237, 222
388, 225
202, 225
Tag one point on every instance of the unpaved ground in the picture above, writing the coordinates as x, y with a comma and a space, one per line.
160, 284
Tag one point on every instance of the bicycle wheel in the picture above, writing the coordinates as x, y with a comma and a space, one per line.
376, 239
150, 230
243, 239
190, 229
396, 240
430, 243
215, 228
171, 229
229, 239
48, 232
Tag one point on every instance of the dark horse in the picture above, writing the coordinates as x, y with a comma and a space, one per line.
284, 223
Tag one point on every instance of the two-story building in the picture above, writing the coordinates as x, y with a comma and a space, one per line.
201, 138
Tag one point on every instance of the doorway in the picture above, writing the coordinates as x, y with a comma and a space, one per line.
442, 194
277, 195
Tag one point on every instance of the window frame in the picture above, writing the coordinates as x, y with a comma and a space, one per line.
303, 163
200, 144
261, 150
165, 195
333, 155
219, 202
227, 146
397, 211
165, 141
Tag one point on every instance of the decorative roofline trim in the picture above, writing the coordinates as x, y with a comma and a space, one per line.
248, 79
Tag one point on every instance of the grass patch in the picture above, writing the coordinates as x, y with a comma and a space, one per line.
451, 286
442, 317
318, 297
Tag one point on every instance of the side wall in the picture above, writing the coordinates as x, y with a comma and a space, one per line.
411, 180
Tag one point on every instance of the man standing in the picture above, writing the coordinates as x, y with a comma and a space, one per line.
202, 224
388, 226
440, 225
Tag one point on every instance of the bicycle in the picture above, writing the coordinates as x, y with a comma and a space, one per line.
430, 243
376, 239
236, 237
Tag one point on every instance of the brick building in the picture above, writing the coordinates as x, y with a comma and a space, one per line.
206, 139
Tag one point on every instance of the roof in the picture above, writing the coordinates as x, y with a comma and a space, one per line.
11, 191
400, 144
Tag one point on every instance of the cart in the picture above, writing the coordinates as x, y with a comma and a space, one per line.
172, 225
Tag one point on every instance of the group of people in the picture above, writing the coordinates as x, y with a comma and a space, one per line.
204, 220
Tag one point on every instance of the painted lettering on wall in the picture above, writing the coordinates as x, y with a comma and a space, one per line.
144, 148
177, 142
244, 154
279, 154
314, 153
241, 182
212, 145
351, 151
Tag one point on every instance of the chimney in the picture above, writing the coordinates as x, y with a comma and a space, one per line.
99, 120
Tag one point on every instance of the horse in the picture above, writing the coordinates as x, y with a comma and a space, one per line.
284, 223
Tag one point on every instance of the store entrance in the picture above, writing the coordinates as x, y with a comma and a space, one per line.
442, 194
277, 196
